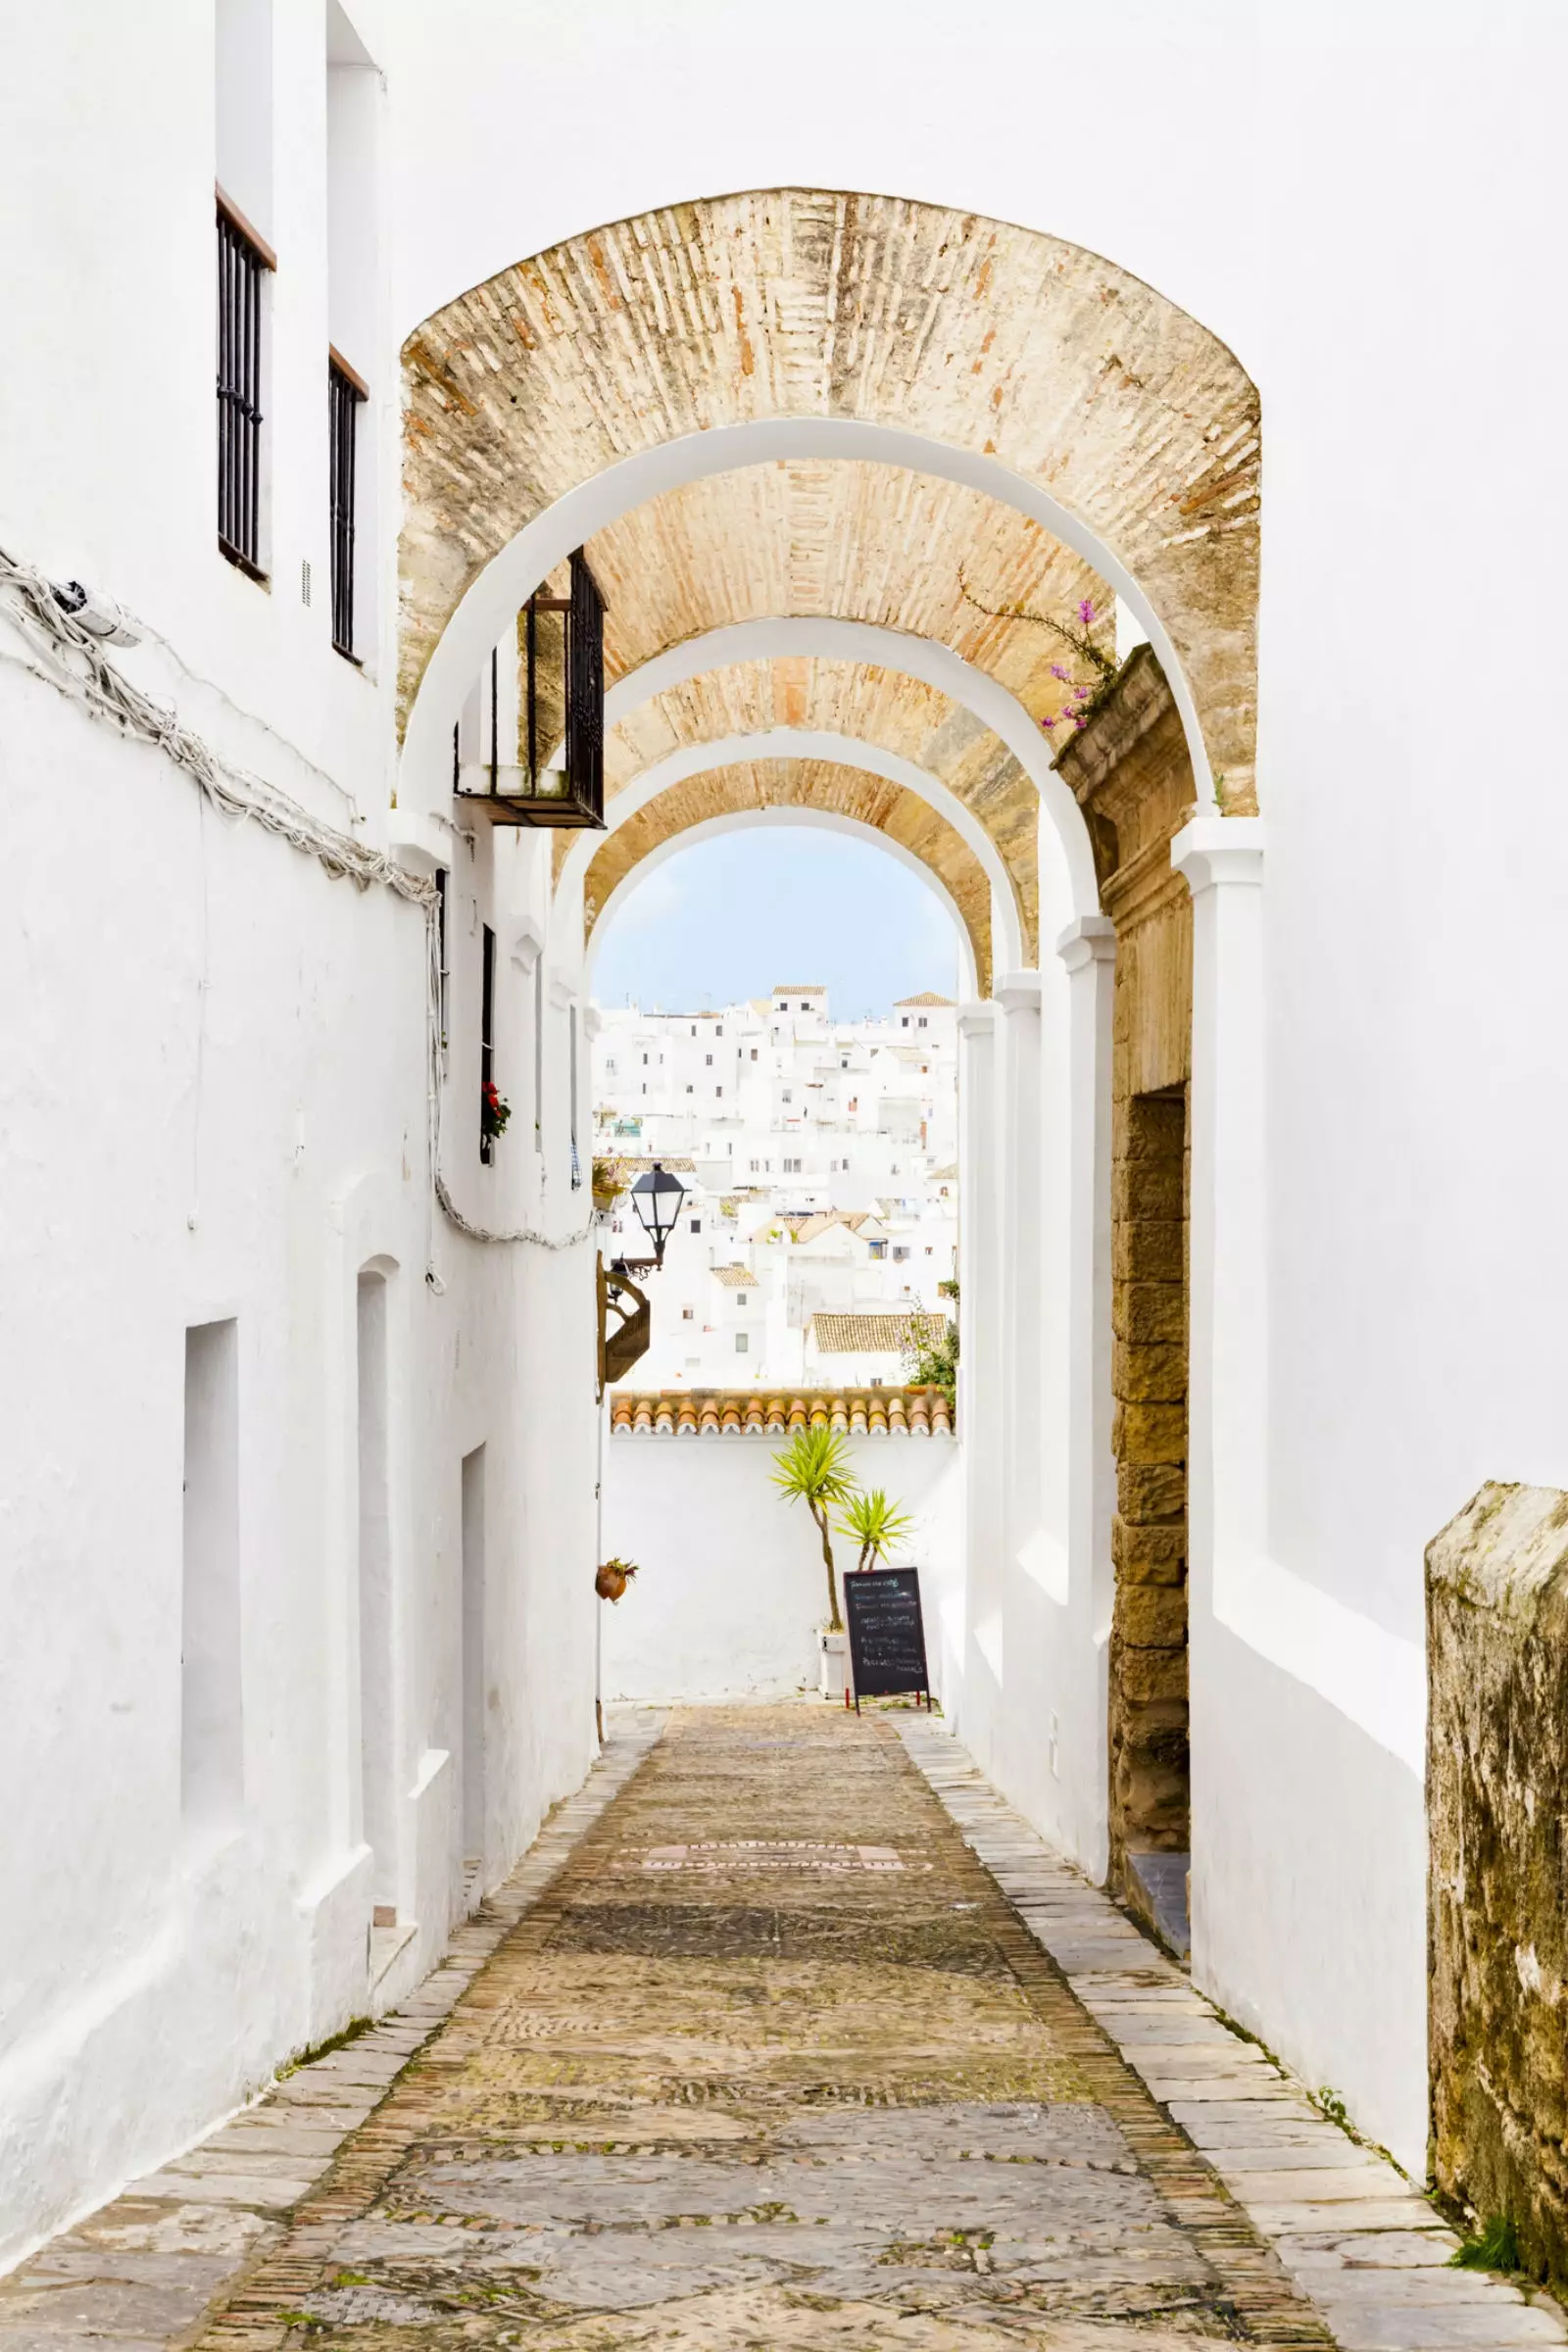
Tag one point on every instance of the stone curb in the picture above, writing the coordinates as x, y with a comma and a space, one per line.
1365, 2249
144, 2272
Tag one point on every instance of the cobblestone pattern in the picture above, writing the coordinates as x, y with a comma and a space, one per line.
784, 2036
1347, 2227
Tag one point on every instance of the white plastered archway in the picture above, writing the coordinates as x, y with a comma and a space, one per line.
829, 821
492, 601
794, 742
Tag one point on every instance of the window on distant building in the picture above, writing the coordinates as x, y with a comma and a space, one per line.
879, 1249
696, 1225
743, 1343
694, 1028
787, 1096
754, 1053
792, 1167
928, 1248
691, 1090
707, 1061
645, 1061
719, 1028
923, 1022
645, 1090
718, 1092
611, 1068
904, 1022
900, 1253
757, 1167
685, 1314
743, 1298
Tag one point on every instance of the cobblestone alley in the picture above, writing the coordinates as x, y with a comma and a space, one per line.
754, 2050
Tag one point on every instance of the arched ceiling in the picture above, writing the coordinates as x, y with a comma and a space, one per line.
1117, 407
814, 786
860, 701
854, 542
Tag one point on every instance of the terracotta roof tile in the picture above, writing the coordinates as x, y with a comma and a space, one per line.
735, 1277
924, 998
904, 1413
879, 1335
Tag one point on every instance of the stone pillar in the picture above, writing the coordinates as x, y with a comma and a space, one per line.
1222, 860
980, 1329
1497, 1896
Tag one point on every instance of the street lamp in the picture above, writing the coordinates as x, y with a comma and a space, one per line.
657, 1198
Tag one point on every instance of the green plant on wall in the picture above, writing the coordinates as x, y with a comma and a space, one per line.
931, 1358
815, 1469
875, 1523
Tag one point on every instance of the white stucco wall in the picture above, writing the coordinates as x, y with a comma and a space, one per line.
731, 1586
214, 1096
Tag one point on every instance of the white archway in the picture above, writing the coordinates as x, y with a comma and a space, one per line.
827, 821
803, 742
509, 578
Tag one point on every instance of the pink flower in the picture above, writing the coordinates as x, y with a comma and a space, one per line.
1080, 720
1085, 612
1080, 694
1057, 671
1048, 723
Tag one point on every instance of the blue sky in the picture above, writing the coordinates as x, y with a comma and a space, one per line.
734, 916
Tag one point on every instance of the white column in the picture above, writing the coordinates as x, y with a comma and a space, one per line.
1088, 950
1020, 1204
1222, 859
979, 1649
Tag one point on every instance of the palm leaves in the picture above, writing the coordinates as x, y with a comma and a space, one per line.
875, 1523
815, 1469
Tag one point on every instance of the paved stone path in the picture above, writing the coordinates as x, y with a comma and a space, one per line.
786, 2035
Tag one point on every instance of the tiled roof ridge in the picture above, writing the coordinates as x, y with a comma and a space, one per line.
927, 995
901, 1412
843, 1333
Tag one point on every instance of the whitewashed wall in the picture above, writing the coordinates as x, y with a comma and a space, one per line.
213, 1099
731, 1586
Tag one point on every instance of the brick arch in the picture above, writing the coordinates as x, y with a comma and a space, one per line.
809, 787
1104, 403
862, 703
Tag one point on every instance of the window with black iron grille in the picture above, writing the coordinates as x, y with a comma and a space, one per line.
243, 259
344, 393
487, 1043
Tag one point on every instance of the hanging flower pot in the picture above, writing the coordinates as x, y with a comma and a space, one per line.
494, 1110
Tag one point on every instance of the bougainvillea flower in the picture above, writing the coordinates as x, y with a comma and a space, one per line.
1085, 612
1057, 671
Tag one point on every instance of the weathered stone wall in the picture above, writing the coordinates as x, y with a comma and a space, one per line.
1498, 1809
1131, 774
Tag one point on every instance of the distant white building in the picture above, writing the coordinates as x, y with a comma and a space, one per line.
820, 1159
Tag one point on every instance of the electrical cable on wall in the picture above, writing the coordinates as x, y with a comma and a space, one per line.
67, 630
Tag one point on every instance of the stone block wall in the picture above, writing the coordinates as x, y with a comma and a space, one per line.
1498, 1809
1149, 1767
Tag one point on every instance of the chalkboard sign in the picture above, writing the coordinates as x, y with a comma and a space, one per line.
887, 1632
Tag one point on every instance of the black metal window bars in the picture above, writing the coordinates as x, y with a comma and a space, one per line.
344, 392
242, 258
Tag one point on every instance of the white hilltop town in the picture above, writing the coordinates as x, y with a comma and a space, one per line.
819, 1158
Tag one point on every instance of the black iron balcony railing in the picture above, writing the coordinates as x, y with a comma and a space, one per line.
243, 258
560, 644
344, 392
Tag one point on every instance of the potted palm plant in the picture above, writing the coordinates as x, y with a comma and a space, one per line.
813, 1468
875, 1523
